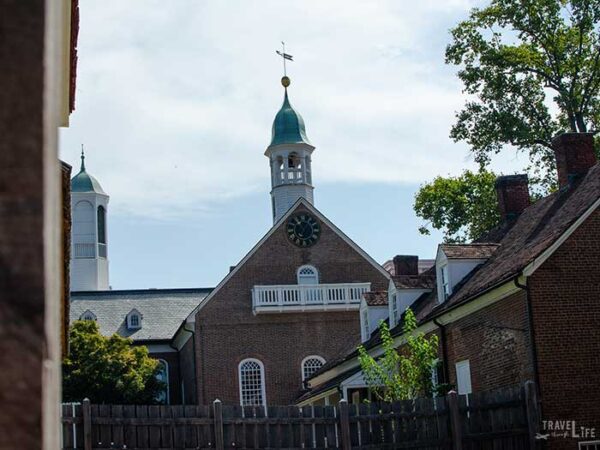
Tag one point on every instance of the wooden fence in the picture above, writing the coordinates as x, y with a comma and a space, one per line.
501, 419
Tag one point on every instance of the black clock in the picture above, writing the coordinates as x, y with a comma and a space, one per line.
303, 230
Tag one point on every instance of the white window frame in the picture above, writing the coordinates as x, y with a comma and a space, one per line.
395, 316
262, 384
313, 269
305, 360
366, 329
130, 325
464, 363
446, 288
168, 391
86, 313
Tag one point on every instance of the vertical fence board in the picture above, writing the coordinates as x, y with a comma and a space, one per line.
166, 437
154, 431
218, 424
118, 435
141, 411
87, 424
130, 431
191, 439
67, 429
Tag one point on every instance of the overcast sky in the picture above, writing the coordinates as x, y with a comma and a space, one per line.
175, 101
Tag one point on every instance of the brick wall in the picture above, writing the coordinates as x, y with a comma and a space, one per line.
228, 332
496, 343
565, 295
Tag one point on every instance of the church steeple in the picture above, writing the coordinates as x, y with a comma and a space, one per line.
290, 158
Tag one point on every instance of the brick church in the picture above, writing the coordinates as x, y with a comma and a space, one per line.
289, 306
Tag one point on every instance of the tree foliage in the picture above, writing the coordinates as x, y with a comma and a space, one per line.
531, 69
462, 207
108, 369
401, 374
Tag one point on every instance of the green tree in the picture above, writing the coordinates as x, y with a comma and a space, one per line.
401, 374
462, 207
531, 68
108, 369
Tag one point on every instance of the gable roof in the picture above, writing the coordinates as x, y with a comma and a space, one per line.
539, 229
535, 230
469, 251
163, 310
316, 212
376, 298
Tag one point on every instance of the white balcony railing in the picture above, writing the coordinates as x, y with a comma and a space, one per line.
317, 297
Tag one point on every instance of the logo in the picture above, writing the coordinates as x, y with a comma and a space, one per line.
564, 429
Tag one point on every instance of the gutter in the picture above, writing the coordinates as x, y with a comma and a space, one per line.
180, 374
530, 322
182, 327
444, 350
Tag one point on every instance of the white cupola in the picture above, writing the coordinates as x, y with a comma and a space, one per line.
89, 252
290, 158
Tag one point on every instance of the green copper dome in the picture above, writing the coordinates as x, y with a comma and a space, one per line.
84, 182
288, 126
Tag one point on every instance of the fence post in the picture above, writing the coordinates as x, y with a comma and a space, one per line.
455, 425
345, 425
87, 424
532, 411
218, 409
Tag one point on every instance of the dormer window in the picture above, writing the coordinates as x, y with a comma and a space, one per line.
134, 320
88, 315
308, 275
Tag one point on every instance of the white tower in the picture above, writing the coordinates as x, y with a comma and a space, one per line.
89, 256
290, 157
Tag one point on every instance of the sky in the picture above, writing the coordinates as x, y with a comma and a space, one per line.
174, 106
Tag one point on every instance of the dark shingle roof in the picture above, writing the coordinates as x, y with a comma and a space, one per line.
376, 298
163, 310
469, 251
536, 229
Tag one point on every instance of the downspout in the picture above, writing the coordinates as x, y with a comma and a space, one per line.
180, 372
534, 357
444, 350
194, 356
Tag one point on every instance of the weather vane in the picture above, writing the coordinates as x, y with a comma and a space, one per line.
285, 57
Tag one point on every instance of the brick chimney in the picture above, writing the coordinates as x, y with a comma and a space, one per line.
406, 265
574, 154
512, 192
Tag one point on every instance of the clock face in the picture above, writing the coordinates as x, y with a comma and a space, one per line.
303, 230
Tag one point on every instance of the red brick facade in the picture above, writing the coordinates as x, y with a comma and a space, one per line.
565, 296
227, 331
495, 340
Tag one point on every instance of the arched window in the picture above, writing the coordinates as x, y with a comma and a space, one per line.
87, 315
252, 383
310, 365
163, 375
101, 225
134, 319
83, 230
308, 275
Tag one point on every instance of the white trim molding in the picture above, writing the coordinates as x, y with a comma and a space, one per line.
263, 391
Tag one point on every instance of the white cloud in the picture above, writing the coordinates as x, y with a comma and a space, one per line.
175, 99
